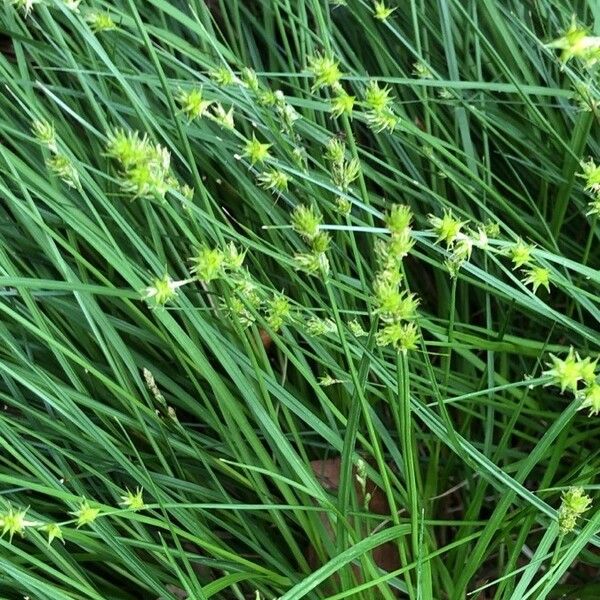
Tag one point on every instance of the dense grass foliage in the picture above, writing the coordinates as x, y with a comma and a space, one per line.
299, 299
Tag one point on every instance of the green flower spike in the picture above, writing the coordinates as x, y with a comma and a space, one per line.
587, 369
591, 174
306, 221
591, 399
164, 289
13, 522
520, 253
192, 104
378, 99
133, 501
255, 151
223, 117
85, 514
208, 264
342, 104
357, 329
401, 336
274, 180
576, 43
382, 121
399, 219
593, 207
336, 151
72, 5
26, 6
345, 172
223, 76
382, 12
64, 169
321, 242
325, 70
537, 276
393, 304
250, 79
574, 503
278, 311
45, 134
447, 228
567, 372
316, 326
421, 71
54, 532
100, 21
233, 259
312, 263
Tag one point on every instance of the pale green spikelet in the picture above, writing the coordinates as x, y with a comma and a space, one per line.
13, 522
61, 166
223, 76
233, 257
312, 263
321, 242
342, 103
54, 532
306, 221
399, 219
208, 264
566, 372
316, 326
25, 6
591, 398
591, 174
447, 228
274, 180
537, 276
325, 70
134, 500
222, 117
357, 329
574, 503
421, 70
403, 337
250, 79
100, 21
163, 289
393, 304
85, 514
576, 43
382, 12
255, 151
278, 311
378, 99
343, 206
45, 134
520, 253
193, 104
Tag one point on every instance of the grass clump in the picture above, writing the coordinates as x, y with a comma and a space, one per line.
299, 300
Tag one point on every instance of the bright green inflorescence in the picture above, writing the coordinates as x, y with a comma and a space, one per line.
575, 502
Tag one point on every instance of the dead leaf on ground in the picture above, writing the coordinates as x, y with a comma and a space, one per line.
328, 473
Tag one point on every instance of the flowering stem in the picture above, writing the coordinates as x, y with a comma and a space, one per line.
451, 316
357, 255
557, 548
403, 415
352, 425
173, 109
570, 167
590, 239
372, 434
364, 194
